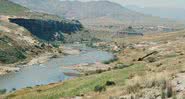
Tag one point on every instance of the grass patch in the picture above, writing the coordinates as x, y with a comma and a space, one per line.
8, 53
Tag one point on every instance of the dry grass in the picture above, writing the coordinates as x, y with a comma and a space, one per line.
148, 81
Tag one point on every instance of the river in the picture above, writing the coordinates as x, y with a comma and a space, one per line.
51, 71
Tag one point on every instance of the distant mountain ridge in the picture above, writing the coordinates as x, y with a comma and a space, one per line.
164, 12
77, 9
89, 12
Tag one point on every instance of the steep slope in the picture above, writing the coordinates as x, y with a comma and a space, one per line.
48, 29
14, 40
93, 11
22, 29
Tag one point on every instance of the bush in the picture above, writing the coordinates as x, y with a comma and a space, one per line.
29, 87
110, 83
169, 91
55, 56
163, 94
56, 45
99, 71
99, 88
111, 60
121, 66
39, 90
3, 91
151, 59
11, 55
174, 95
13, 89
106, 62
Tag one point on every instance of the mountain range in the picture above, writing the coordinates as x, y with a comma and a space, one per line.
93, 12
163, 12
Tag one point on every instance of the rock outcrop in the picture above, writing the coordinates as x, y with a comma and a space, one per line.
48, 30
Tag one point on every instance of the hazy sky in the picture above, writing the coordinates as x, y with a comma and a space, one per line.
142, 3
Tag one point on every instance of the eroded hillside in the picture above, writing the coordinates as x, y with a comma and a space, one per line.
23, 33
48, 29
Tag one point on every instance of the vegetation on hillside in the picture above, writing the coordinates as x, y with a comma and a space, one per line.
8, 52
10, 8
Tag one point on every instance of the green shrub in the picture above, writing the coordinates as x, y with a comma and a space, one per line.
174, 96
29, 87
151, 59
99, 88
56, 45
39, 90
99, 71
11, 56
163, 94
132, 97
111, 60
13, 89
110, 83
3, 91
121, 66
169, 91
106, 62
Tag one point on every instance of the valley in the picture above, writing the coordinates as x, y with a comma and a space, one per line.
161, 63
51, 49
129, 72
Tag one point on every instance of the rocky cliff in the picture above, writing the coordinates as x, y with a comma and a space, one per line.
48, 30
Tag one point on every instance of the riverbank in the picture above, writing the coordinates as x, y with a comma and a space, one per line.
38, 59
8, 68
87, 69
5, 70
52, 71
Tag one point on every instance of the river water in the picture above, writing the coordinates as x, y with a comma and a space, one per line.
51, 71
